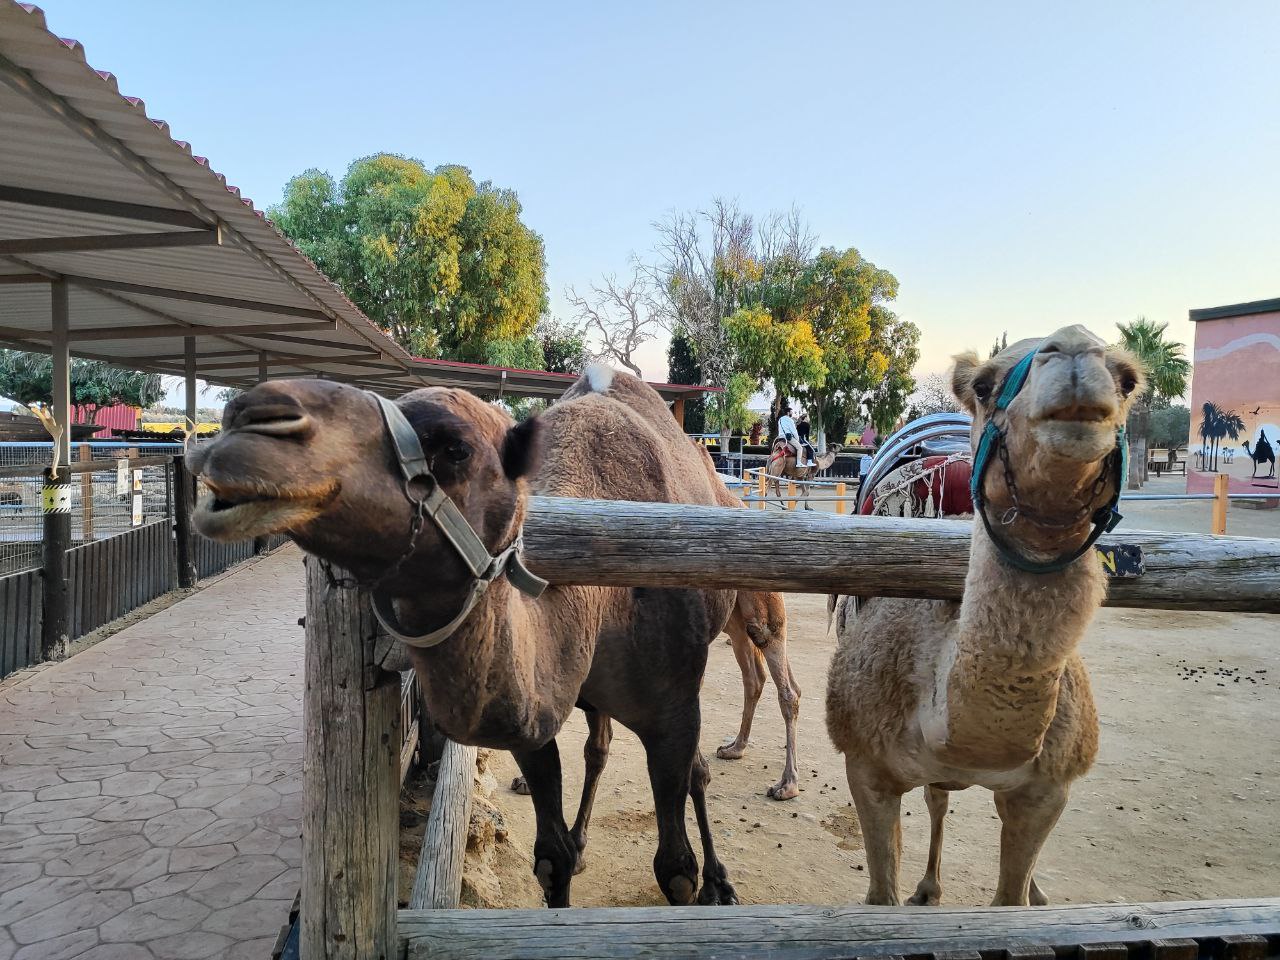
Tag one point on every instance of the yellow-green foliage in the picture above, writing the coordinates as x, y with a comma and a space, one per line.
442, 263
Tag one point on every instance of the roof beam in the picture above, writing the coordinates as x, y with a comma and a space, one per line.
24, 278
285, 360
105, 208
159, 331
113, 241
313, 342
142, 289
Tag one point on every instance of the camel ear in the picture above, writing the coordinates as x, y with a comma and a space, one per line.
962, 379
520, 448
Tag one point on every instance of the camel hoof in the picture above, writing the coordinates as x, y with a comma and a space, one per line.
926, 895
733, 750
783, 790
1037, 897
680, 890
719, 893
521, 786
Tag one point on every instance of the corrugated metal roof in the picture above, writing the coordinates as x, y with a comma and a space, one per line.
69, 131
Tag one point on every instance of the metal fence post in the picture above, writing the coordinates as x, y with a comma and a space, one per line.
183, 503
56, 513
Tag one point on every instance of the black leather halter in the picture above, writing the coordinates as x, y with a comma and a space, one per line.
453, 526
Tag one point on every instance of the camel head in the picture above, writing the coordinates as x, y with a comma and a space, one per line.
313, 459
1059, 432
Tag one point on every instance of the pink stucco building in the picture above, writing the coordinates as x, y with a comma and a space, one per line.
1235, 397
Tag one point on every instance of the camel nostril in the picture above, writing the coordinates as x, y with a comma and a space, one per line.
274, 418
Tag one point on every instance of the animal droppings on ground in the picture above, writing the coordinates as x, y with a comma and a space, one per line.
1220, 674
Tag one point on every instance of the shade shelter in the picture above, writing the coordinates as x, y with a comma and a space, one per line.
119, 243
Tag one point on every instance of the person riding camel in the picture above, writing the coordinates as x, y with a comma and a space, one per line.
788, 431
802, 429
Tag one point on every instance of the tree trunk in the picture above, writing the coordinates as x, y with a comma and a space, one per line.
1138, 427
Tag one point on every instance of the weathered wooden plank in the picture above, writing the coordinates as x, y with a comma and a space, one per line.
1174, 949
1240, 945
437, 882
616, 543
350, 819
8, 625
811, 932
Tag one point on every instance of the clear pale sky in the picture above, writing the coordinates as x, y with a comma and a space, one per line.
1017, 166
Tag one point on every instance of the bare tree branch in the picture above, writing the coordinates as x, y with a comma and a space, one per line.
622, 315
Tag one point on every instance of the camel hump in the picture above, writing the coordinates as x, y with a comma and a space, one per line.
627, 389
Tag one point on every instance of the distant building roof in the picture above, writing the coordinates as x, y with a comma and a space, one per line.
1235, 310
517, 382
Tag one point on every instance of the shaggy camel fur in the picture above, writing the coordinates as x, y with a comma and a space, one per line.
783, 464
991, 691
515, 667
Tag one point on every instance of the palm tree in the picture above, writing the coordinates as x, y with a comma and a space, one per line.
1167, 371
1230, 425
1209, 433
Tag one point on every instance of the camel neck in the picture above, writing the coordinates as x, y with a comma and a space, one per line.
511, 672
996, 683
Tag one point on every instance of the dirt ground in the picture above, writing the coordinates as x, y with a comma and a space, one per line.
1182, 803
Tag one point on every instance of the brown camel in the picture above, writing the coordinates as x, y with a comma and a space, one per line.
991, 691
757, 630
782, 463
315, 460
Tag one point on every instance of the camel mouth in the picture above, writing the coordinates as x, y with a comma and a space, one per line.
228, 513
1081, 413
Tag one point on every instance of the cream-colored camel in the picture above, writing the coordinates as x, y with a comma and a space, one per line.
991, 691
782, 463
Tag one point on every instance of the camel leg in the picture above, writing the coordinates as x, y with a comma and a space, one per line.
752, 667
595, 753
554, 852
775, 655
716, 888
1028, 814
879, 807
929, 891
670, 760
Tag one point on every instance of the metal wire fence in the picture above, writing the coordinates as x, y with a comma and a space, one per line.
102, 500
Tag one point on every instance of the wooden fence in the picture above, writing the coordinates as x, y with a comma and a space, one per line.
105, 579
20, 607
108, 578
354, 713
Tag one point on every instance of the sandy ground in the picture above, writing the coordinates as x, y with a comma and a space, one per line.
1182, 803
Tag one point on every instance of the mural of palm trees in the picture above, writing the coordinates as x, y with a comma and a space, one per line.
1216, 425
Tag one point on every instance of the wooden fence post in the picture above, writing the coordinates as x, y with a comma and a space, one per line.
762, 486
840, 505
86, 495
350, 781
183, 503
437, 882
791, 494
55, 632
1221, 486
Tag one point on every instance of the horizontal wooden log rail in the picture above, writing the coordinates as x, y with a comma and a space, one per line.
1223, 929
84, 466
621, 543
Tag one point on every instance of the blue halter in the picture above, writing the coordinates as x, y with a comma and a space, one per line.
1105, 518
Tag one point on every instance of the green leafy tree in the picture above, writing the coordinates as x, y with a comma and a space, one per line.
443, 264
1167, 372
768, 348
682, 367
1170, 426
564, 346
28, 379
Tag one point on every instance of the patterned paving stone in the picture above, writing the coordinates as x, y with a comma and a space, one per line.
150, 785
154, 919
59, 948
84, 910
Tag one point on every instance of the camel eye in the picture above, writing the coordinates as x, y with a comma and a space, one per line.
982, 389
457, 451
1127, 382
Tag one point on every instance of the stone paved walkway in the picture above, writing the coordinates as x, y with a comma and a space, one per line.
150, 786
